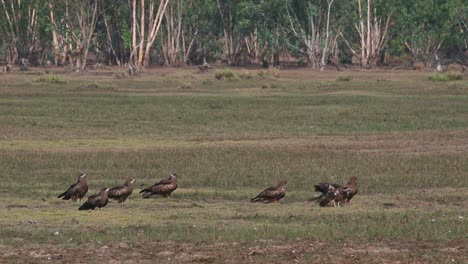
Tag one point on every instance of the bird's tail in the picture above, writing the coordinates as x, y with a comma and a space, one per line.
86, 206
321, 188
256, 199
146, 194
63, 195
324, 202
315, 198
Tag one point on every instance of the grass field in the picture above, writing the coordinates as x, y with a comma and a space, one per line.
404, 136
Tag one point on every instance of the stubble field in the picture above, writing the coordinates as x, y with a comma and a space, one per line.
405, 138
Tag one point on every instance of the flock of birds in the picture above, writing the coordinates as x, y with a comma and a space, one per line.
329, 193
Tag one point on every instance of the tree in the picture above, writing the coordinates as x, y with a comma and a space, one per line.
425, 25
310, 21
21, 30
145, 31
373, 35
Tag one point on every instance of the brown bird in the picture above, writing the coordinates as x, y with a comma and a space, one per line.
334, 193
98, 200
77, 190
272, 194
121, 193
349, 190
329, 193
164, 187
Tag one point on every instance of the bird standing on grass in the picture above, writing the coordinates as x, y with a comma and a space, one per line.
77, 190
272, 194
349, 190
163, 187
98, 200
121, 193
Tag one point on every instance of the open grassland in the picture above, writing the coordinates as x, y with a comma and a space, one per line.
405, 138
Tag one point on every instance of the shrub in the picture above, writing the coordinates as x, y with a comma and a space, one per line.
186, 85
225, 74
449, 76
245, 75
344, 78
207, 82
51, 78
455, 67
418, 66
272, 72
454, 76
189, 75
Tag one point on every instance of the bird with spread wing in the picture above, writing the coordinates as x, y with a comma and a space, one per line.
163, 187
272, 194
335, 194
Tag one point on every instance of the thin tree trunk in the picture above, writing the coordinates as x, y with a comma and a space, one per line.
325, 49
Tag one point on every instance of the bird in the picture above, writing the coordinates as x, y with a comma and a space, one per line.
122, 192
271, 194
163, 187
349, 190
329, 193
77, 190
98, 200
335, 194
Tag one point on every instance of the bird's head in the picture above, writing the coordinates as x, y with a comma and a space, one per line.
282, 183
82, 176
173, 176
353, 181
130, 181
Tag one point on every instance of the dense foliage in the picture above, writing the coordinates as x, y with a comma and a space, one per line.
235, 32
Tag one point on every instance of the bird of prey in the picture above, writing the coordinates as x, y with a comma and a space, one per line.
121, 193
77, 190
329, 193
272, 194
335, 194
98, 200
349, 190
163, 187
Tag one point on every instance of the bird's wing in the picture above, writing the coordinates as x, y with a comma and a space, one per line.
163, 188
117, 191
271, 192
69, 191
167, 181
73, 188
94, 199
325, 187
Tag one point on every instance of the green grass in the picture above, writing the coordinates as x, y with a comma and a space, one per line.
344, 78
51, 78
404, 138
228, 116
182, 220
449, 76
230, 168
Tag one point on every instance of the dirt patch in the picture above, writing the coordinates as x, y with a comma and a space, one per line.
232, 252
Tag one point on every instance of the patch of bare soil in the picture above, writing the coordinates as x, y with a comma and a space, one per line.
393, 142
261, 251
